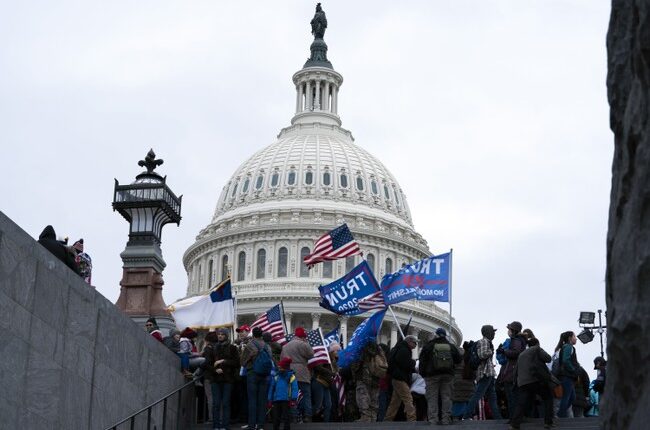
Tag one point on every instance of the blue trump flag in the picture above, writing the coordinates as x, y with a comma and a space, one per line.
343, 295
426, 279
366, 332
332, 337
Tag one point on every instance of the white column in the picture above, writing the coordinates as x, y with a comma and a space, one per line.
317, 101
298, 96
315, 320
393, 334
287, 319
335, 100
344, 331
326, 97
308, 96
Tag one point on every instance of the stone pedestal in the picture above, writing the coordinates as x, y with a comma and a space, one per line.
141, 297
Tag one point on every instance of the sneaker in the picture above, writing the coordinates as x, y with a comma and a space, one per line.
245, 427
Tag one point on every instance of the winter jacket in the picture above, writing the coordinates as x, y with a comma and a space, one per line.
400, 363
529, 365
299, 351
221, 351
251, 350
426, 357
283, 387
47, 238
568, 361
323, 373
516, 347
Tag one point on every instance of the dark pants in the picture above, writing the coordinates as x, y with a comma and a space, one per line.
321, 398
281, 415
221, 404
239, 405
526, 395
511, 397
484, 386
258, 387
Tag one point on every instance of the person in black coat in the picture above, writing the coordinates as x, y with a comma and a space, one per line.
401, 366
58, 249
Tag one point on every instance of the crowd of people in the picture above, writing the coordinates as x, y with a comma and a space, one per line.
253, 380
72, 256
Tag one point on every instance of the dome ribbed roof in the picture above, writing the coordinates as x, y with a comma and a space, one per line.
314, 161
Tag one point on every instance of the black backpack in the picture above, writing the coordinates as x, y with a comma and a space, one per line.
474, 360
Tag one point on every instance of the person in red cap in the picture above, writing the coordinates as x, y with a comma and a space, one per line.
283, 392
300, 352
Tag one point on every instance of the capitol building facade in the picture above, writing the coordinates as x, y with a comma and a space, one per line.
313, 178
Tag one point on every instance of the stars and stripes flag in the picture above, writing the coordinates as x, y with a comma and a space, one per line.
317, 343
373, 301
272, 322
339, 386
333, 245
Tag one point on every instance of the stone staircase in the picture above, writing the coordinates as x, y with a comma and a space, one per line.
533, 424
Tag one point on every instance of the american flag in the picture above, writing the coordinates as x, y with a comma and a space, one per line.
333, 245
339, 385
373, 301
315, 340
271, 321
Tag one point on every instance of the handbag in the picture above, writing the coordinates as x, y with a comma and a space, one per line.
558, 391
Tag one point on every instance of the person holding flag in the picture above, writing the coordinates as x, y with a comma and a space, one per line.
401, 367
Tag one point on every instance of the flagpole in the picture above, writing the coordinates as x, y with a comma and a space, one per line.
396, 323
451, 252
284, 321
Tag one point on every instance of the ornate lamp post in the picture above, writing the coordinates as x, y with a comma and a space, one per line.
147, 204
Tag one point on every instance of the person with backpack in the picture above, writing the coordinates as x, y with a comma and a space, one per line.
462, 387
566, 370
516, 346
300, 352
481, 353
437, 361
532, 377
256, 358
221, 364
283, 392
401, 367
367, 372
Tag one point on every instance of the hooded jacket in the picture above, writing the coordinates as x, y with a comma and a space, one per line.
47, 238
400, 363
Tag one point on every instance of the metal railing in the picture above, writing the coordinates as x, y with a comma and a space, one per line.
148, 409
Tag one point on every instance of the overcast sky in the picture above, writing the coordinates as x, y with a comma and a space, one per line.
492, 115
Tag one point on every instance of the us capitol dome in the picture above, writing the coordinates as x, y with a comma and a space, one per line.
313, 178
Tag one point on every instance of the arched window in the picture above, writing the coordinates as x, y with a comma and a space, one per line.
241, 266
210, 274
371, 262
261, 264
349, 264
291, 177
344, 180
386, 193
304, 271
327, 269
247, 182
359, 183
224, 267
327, 178
259, 182
283, 259
389, 266
396, 193
234, 190
309, 178
373, 187
274, 179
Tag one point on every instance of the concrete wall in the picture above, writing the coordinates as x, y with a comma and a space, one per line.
69, 359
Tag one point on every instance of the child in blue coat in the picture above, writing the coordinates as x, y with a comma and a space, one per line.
283, 392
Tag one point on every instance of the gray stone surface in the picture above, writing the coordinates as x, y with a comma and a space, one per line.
72, 359
627, 393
